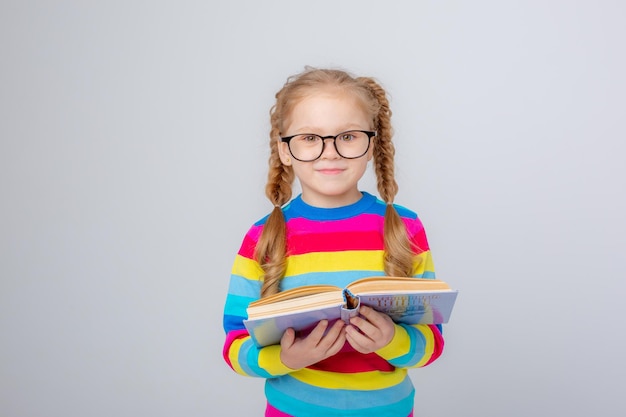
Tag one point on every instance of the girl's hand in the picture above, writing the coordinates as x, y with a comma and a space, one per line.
298, 353
370, 330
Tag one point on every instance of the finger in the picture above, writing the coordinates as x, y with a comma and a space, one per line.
363, 325
332, 335
288, 338
336, 329
318, 332
357, 340
337, 344
373, 316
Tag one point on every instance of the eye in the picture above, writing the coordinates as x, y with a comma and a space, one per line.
308, 138
347, 137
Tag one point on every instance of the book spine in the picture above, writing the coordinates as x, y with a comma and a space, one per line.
351, 306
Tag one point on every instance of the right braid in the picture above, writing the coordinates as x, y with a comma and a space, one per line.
399, 255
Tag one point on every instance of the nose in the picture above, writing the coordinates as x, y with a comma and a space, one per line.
329, 151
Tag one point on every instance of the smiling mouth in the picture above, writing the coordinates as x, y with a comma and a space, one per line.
330, 171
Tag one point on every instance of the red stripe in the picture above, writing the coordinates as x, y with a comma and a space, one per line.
334, 242
439, 342
349, 361
419, 241
247, 247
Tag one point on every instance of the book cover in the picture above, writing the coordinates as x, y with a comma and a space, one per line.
302, 311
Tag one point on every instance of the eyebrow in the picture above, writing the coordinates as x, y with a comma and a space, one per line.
346, 128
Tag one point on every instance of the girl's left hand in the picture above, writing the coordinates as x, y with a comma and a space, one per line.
370, 330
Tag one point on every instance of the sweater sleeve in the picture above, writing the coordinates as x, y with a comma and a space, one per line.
420, 344
413, 346
240, 352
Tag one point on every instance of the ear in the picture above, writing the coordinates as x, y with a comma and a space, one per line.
370, 152
283, 153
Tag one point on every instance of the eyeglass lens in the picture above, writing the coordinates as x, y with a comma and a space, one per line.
309, 147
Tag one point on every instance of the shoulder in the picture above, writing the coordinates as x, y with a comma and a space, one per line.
379, 207
406, 212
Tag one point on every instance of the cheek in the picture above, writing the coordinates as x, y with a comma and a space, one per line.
362, 167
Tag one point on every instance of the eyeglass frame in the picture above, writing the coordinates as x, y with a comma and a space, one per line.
370, 134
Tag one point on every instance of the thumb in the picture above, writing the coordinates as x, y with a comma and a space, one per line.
288, 338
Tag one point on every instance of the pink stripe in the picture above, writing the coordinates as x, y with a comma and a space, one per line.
359, 223
230, 338
273, 412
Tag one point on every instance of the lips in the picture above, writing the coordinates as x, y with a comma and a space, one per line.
330, 171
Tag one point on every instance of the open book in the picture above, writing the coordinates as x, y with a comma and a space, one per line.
405, 300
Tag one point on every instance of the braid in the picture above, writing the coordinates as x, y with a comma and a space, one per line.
271, 250
280, 177
399, 253
384, 150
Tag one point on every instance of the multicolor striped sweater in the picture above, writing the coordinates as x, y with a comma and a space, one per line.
331, 246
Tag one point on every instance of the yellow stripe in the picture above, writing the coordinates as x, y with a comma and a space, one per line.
398, 346
334, 261
330, 261
269, 359
365, 381
233, 355
246, 268
429, 348
423, 263
401, 343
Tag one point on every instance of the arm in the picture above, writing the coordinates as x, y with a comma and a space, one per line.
240, 352
401, 345
293, 353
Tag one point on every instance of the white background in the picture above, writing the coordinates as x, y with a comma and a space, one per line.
133, 159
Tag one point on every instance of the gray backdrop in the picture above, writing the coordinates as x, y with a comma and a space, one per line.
133, 158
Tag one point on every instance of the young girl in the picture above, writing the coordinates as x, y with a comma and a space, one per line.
325, 128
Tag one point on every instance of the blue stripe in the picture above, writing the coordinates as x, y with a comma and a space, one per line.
248, 360
244, 352
244, 287
416, 352
249, 355
237, 305
296, 398
232, 323
426, 274
339, 278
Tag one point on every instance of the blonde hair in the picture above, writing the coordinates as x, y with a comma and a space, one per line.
271, 251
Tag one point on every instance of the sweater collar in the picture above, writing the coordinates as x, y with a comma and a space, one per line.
298, 208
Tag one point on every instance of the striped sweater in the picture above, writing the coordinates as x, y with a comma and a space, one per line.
331, 246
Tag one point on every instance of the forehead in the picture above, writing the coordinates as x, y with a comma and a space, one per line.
329, 108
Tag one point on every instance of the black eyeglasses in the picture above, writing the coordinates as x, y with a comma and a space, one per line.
307, 147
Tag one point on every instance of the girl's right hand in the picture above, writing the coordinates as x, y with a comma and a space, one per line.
298, 353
